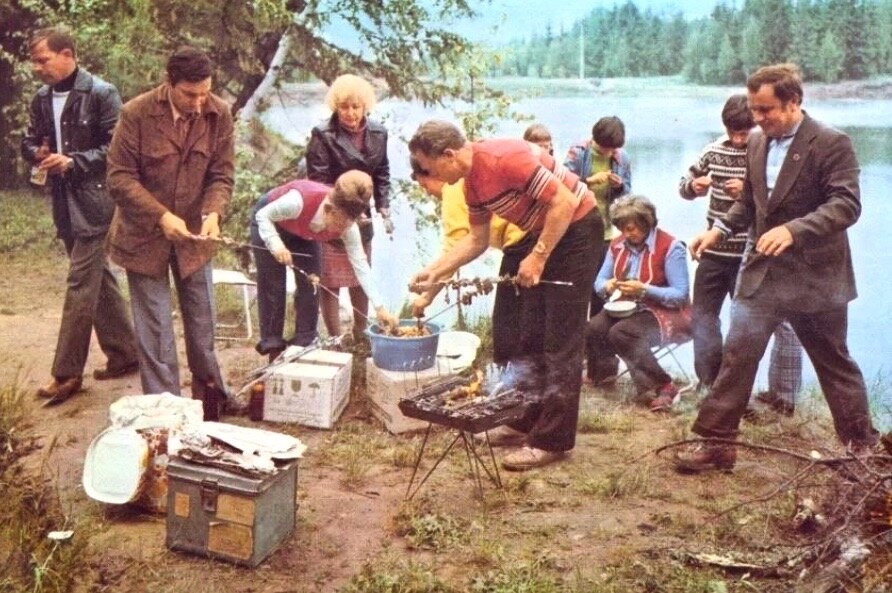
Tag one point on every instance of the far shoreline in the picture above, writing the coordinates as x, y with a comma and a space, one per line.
876, 88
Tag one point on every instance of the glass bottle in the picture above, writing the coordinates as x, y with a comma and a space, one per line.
255, 403
38, 175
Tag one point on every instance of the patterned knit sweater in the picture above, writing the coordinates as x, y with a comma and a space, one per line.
724, 162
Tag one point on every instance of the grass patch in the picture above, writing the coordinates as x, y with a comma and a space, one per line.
615, 484
605, 422
26, 223
31, 508
662, 576
355, 448
539, 575
396, 576
434, 531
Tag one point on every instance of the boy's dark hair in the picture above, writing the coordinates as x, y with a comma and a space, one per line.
736, 114
609, 132
56, 39
189, 64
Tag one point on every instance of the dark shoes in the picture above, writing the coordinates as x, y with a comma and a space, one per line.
59, 390
527, 458
706, 457
114, 373
779, 405
213, 399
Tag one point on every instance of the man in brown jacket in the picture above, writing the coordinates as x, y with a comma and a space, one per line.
170, 173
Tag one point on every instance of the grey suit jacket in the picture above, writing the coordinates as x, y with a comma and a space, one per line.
817, 197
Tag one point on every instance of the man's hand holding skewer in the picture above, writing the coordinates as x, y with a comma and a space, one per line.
419, 304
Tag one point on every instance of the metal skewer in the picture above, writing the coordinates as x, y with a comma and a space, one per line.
512, 279
230, 242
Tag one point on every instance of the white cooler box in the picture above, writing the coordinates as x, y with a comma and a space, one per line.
312, 390
386, 388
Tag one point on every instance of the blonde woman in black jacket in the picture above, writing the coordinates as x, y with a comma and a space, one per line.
349, 140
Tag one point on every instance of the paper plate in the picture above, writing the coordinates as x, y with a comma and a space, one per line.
115, 465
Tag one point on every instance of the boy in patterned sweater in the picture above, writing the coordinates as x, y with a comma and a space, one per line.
719, 173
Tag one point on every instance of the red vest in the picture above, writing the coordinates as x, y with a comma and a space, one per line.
675, 324
313, 193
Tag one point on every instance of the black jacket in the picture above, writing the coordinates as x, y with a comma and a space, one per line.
82, 206
331, 153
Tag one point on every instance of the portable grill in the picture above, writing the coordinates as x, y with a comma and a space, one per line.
495, 404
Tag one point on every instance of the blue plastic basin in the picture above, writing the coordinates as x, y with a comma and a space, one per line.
404, 354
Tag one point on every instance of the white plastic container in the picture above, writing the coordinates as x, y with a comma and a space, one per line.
115, 466
457, 350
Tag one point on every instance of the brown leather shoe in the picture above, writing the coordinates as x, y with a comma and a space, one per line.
706, 457
529, 457
113, 373
59, 390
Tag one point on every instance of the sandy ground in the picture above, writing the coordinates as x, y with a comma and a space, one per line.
322, 550
342, 524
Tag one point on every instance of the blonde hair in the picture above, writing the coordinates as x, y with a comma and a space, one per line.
350, 86
352, 193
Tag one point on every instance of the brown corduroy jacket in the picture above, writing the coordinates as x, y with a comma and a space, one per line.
151, 171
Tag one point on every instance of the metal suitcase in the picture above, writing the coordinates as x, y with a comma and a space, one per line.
234, 517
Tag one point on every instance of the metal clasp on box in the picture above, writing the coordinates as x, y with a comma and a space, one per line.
209, 491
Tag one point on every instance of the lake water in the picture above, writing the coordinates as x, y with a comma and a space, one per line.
663, 136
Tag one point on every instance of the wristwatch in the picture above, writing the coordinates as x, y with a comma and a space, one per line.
541, 249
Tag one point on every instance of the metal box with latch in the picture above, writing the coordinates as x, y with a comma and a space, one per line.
226, 515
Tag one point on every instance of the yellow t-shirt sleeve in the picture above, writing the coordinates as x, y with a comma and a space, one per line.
455, 215
456, 223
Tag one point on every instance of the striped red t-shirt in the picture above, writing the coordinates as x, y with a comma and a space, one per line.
516, 179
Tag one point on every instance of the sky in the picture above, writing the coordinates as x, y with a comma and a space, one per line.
520, 18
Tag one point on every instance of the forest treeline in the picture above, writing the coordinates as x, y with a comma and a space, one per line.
831, 40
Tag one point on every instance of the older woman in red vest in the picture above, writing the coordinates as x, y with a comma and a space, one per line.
287, 225
648, 266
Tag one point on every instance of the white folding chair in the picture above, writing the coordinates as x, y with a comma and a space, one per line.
662, 351
236, 278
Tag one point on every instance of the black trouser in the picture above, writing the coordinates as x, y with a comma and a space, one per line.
506, 329
823, 335
271, 292
631, 338
553, 324
714, 280
597, 303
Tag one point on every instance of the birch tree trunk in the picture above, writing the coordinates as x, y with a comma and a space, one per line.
250, 110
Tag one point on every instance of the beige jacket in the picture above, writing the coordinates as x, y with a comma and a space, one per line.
150, 172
